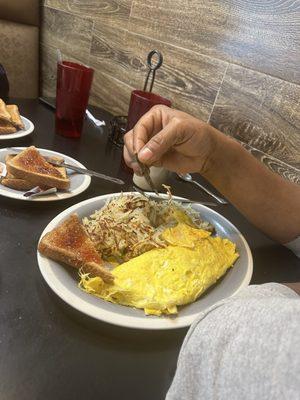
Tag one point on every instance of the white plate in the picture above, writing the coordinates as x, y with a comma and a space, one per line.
28, 128
63, 280
78, 182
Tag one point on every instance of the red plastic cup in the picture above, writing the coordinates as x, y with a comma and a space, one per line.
140, 103
72, 94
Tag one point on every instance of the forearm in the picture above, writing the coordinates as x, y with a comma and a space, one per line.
267, 200
294, 286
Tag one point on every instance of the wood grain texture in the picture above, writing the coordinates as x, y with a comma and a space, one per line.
275, 165
49, 68
48, 71
191, 81
101, 93
67, 32
259, 34
114, 12
261, 111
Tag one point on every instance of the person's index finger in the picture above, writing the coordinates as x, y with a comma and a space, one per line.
140, 137
148, 125
159, 144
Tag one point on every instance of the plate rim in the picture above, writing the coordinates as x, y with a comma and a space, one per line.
21, 132
110, 316
85, 184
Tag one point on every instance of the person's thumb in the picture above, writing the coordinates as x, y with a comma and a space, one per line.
158, 145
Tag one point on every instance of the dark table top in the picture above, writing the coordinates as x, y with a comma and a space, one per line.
50, 351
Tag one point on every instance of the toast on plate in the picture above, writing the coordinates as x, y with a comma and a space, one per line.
31, 166
4, 114
16, 183
22, 184
6, 128
15, 116
70, 244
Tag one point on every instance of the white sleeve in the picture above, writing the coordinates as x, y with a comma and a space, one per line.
294, 245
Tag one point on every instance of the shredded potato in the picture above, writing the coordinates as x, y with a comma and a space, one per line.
130, 225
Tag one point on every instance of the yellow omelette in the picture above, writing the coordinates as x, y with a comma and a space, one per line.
161, 279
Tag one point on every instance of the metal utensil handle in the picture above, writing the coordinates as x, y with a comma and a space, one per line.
219, 199
185, 201
152, 68
146, 174
93, 173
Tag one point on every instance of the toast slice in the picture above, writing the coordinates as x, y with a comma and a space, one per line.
15, 116
19, 184
22, 184
6, 128
31, 166
16, 183
4, 114
70, 244
12, 182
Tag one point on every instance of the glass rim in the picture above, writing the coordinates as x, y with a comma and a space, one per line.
75, 66
148, 95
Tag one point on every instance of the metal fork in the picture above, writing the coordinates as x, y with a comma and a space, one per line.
160, 199
146, 174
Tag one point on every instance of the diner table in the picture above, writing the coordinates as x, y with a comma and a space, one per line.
48, 350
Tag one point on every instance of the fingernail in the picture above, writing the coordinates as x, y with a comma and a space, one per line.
145, 154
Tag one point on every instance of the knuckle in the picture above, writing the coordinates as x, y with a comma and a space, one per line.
160, 109
127, 139
177, 121
156, 107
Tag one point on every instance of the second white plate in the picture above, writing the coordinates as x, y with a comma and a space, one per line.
79, 182
28, 128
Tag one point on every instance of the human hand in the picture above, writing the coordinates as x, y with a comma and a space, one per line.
171, 139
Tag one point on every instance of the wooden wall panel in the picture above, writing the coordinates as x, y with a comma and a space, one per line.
261, 111
48, 78
235, 63
191, 81
259, 34
67, 32
115, 12
103, 87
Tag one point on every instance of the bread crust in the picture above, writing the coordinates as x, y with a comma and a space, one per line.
15, 183
21, 184
6, 128
68, 243
16, 120
37, 179
4, 114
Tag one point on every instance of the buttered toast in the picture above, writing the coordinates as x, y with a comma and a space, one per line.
4, 114
22, 184
70, 244
10, 119
15, 116
31, 166
6, 128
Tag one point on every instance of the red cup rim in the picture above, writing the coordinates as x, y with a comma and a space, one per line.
150, 96
75, 66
